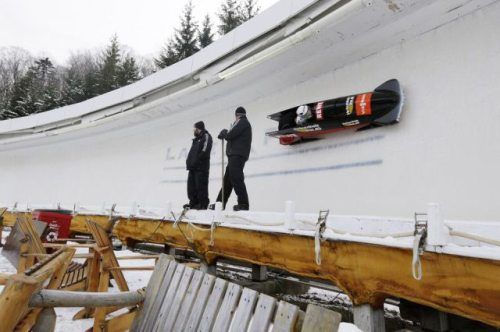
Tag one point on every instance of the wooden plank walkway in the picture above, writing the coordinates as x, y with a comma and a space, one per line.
179, 298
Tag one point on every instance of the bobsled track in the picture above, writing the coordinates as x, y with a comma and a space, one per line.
128, 148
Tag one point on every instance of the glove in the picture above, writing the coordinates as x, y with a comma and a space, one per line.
222, 134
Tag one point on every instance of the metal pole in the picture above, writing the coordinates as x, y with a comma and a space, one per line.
222, 188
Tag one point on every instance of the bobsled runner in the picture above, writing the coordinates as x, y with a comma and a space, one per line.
380, 107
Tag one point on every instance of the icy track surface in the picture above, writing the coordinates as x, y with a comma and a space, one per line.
135, 280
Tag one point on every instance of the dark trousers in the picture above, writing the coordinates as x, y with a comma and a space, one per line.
197, 188
234, 178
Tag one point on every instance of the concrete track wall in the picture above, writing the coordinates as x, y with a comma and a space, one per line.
445, 149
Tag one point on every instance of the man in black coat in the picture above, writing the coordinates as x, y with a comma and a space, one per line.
198, 165
239, 142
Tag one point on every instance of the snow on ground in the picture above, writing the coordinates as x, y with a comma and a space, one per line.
135, 280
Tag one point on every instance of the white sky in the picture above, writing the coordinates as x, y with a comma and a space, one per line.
57, 27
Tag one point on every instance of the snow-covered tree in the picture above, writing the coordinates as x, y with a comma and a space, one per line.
14, 63
109, 66
229, 16
37, 91
248, 9
185, 40
128, 72
80, 78
205, 35
168, 55
183, 43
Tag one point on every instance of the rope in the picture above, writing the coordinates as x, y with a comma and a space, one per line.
382, 235
317, 243
279, 223
176, 220
154, 232
307, 222
212, 233
474, 237
377, 235
416, 264
198, 228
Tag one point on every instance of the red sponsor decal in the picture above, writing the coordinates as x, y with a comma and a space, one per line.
319, 111
363, 104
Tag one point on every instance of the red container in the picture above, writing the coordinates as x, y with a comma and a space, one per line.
58, 221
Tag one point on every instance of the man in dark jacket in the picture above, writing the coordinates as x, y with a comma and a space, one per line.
239, 142
198, 165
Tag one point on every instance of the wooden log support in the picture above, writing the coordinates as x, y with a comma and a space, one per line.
120, 323
47, 298
363, 271
14, 300
473, 294
2, 212
4, 278
15, 296
100, 313
10, 217
131, 268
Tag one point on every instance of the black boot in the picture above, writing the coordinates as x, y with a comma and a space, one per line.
186, 206
212, 207
198, 207
241, 207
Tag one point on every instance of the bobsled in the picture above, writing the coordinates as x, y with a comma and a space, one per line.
381, 107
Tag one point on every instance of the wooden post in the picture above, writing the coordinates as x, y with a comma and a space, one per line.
1, 230
368, 318
94, 265
24, 260
100, 313
46, 298
46, 321
31, 320
14, 300
259, 272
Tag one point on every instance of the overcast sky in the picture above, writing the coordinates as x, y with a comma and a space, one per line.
57, 27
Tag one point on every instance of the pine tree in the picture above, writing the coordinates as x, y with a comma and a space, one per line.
229, 16
249, 9
168, 56
205, 35
73, 88
109, 66
80, 79
185, 38
128, 72
37, 91
184, 42
14, 63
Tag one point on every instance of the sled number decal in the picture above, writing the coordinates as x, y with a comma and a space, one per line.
349, 105
319, 111
363, 104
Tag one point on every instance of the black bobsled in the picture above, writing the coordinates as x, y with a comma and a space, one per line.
311, 121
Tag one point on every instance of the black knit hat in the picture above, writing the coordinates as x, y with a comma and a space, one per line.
199, 125
240, 110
